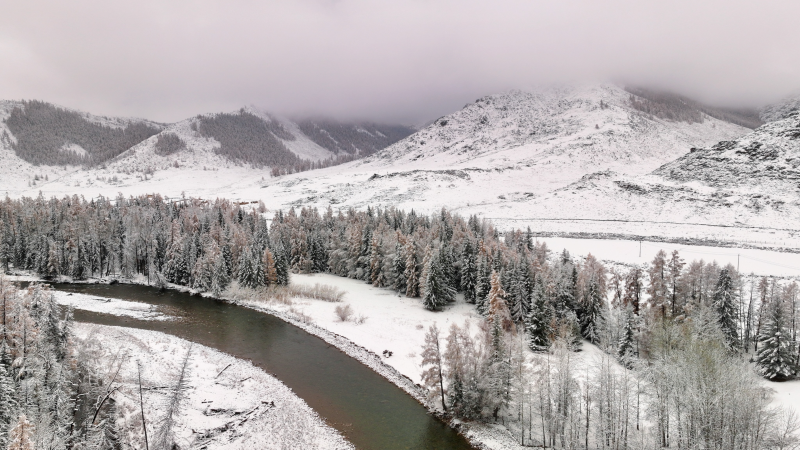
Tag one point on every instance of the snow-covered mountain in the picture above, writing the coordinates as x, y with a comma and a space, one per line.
501, 150
56, 150
752, 181
45, 134
781, 109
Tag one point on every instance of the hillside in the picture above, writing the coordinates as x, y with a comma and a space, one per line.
752, 181
43, 134
56, 150
501, 150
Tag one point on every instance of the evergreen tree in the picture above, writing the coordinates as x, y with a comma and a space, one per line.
521, 287
725, 305
658, 288
537, 324
483, 285
592, 312
399, 268
469, 273
281, 267
411, 274
221, 278
626, 350
776, 358
251, 270
437, 292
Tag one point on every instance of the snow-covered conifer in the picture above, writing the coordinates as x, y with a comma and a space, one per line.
626, 350
725, 305
469, 272
538, 323
436, 291
776, 358
411, 274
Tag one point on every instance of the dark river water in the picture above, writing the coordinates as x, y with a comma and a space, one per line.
369, 410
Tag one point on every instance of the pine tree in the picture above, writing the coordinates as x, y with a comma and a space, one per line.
592, 312
376, 276
411, 275
537, 324
775, 358
521, 287
469, 273
482, 285
399, 268
437, 292
221, 278
725, 305
281, 267
626, 350
251, 270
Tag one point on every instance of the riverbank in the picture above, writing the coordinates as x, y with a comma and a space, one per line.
229, 404
391, 323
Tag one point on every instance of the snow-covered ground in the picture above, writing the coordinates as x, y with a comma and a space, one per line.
110, 306
230, 404
757, 262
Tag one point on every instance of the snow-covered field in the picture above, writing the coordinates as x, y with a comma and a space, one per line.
757, 262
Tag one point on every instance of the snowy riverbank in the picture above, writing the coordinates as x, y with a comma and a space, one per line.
230, 404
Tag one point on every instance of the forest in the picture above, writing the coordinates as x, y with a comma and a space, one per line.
42, 131
362, 139
681, 340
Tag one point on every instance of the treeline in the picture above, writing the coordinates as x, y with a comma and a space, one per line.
362, 139
246, 138
50, 396
42, 131
207, 245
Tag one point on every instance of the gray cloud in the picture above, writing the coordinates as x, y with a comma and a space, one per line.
408, 60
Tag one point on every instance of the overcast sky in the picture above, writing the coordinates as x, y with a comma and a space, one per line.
400, 60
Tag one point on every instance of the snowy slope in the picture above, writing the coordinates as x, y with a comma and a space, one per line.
751, 181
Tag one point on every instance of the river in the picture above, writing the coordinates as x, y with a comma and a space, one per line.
369, 410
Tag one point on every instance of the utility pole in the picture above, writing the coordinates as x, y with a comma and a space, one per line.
640, 248
737, 262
